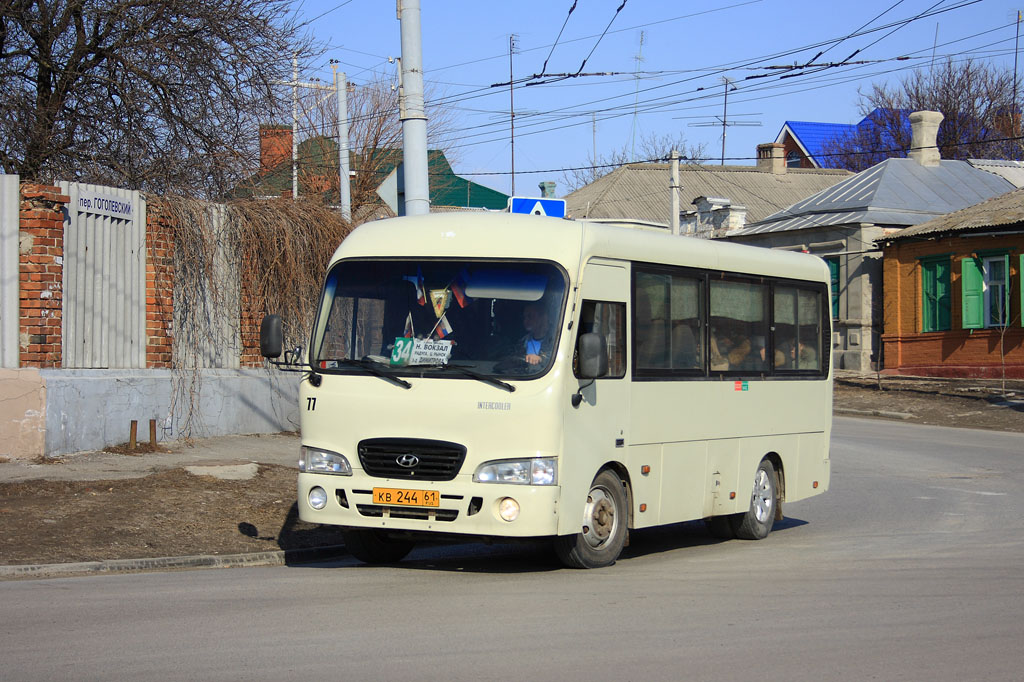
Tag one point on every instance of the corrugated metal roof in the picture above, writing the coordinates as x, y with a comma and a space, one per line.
1005, 209
641, 191
1012, 171
893, 192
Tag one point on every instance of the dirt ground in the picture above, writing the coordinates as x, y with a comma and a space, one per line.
175, 513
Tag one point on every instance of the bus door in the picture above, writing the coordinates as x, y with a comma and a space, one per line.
595, 430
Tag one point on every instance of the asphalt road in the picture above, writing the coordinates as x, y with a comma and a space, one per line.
910, 568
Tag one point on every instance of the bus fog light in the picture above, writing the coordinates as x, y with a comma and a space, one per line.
508, 509
317, 498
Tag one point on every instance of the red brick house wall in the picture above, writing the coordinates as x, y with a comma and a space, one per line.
957, 352
41, 265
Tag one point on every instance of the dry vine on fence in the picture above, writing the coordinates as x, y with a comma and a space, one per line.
234, 263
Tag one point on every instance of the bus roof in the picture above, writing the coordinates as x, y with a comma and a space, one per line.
567, 242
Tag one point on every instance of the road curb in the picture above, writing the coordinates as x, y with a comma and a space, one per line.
275, 558
872, 413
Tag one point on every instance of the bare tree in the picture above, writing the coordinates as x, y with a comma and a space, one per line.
375, 140
162, 95
975, 98
651, 147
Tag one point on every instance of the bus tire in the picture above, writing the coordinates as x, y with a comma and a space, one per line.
374, 546
603, 532
757, 521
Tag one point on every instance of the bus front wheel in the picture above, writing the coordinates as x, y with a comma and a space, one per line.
603, 532
374, 547
757, 521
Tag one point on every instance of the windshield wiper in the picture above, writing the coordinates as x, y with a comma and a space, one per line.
466, 371
373, 368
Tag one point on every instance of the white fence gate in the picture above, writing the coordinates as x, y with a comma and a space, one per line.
104, 278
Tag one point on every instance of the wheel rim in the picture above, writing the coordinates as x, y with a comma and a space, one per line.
600, 517
764, 496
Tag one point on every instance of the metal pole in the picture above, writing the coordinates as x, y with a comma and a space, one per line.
674, 188
414, 120
295, 127
725, 117
1014, 113
345, 190
512, 112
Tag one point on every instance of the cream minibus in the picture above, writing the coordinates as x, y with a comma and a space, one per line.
497, 375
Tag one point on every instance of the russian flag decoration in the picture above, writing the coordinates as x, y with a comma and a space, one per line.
459, 289
409, 332
443, 328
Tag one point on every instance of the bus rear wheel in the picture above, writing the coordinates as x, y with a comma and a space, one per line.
603, 532
374, 546
757, 521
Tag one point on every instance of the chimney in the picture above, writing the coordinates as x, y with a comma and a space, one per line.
770, 158
924, 127
547, 189
275, 146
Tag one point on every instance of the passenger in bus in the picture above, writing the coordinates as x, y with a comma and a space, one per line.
536, 343
720, 346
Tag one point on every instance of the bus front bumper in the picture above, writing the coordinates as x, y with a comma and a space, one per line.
465, 507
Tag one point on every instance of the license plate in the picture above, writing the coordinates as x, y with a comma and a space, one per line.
408, 498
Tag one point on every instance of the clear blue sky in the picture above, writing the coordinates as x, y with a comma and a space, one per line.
688, 47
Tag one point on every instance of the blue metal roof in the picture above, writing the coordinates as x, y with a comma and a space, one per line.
813, 136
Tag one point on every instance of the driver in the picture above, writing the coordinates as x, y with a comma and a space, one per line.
536, 343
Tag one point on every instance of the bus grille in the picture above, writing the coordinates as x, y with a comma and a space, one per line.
374, 510
411, 458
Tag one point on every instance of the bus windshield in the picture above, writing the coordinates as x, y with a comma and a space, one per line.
448, 317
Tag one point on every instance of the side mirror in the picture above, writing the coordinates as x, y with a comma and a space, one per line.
271, 336
592, 356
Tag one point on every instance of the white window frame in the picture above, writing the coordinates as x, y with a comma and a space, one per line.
992, 287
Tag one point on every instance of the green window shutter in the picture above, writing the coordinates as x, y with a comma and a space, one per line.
943, 299
928, 297
833, 270
972, 300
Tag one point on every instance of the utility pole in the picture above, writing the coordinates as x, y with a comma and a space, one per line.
411, 112
512, 110
674, 189
345, 190
295, 84
725, 115
1015, 114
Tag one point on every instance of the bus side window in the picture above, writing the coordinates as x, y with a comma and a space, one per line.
609, 320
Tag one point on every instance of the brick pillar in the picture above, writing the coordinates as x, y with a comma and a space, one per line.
251, 316
41, 265
159, 287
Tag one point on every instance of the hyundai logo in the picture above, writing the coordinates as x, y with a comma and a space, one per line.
408, 460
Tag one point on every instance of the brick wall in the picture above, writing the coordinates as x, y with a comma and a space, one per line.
41, 264
159, 288
957, 352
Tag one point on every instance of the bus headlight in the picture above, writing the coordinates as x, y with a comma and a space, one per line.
317, 461
317, 498
533, 471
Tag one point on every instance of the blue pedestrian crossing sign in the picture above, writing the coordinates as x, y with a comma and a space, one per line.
553, 208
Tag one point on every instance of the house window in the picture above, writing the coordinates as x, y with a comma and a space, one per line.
793, 159
833, 270
985, 291
997, 290
935, 298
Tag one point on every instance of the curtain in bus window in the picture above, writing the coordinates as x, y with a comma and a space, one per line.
651, 314
797, 336
739, 326
668, 322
